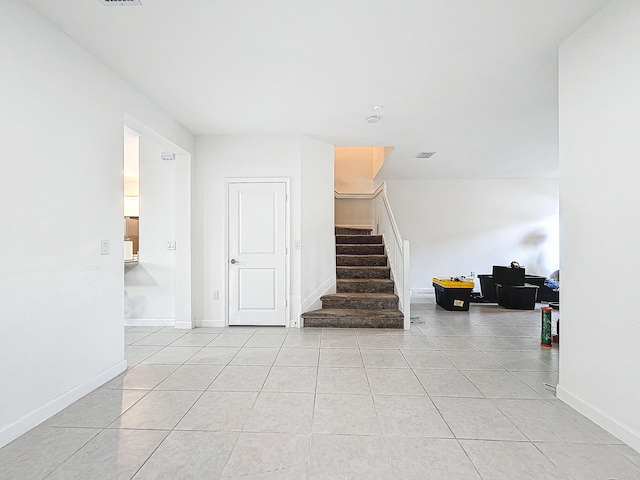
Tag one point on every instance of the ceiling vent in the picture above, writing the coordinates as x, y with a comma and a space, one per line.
425, 154
168, 156
121, 2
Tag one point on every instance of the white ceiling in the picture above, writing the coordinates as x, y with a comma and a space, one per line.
474, 81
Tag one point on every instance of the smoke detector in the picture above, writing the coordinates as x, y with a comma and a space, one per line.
425, 154
120, 3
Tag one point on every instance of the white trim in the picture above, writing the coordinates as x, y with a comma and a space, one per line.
211, 323
312, 302
424, 291
369, 227
151, 134
406, 292
287, 241
625, 433
370, 196
48, 410
149, 322
183, 324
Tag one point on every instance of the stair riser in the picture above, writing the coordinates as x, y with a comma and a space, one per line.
352, 231
361, 304
354, 322
363, 287
362, 249
359, 239
363, 272
361, 260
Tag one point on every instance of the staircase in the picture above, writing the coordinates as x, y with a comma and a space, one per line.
364, 297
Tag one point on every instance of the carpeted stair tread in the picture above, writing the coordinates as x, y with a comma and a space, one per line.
362, 295
337, 317
333, 312
364, 285
362, 272
361, 301
359, 249
359, 239
361, 260
352, 231
386, 281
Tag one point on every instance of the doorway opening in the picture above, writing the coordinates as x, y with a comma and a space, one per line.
157, 230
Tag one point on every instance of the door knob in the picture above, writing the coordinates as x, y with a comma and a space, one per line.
233, 261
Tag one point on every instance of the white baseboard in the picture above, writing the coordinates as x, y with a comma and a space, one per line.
183, 324
210, 323
149, 322
424, 291
48, 410
628, 435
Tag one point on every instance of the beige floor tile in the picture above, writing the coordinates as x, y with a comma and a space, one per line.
268, 455
111, 455
189, 455
348, 457
429, 459
345, 414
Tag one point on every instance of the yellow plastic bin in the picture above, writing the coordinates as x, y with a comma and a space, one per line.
453, 294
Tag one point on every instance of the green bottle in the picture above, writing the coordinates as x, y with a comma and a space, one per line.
545, 338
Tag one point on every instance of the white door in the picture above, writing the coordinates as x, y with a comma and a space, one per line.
257, 253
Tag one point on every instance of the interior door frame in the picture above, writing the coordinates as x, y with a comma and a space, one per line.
287, 239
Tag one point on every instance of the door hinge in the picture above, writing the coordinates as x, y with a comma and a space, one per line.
286, 250
286, 302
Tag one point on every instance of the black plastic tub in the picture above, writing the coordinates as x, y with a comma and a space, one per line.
488, 288
453, 299
517, 297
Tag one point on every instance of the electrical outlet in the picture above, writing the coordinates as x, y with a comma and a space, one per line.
171, 245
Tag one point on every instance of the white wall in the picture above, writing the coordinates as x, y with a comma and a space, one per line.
149, 285
354, 212
262, 156
318, 250
459, 226
353, 168
599, 207
61, 148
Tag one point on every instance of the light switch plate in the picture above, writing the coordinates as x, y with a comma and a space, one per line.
104, 247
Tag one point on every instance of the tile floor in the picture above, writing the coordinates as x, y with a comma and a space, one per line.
460, 396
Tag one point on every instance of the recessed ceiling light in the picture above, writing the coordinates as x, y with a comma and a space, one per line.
425, 154
373, 118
